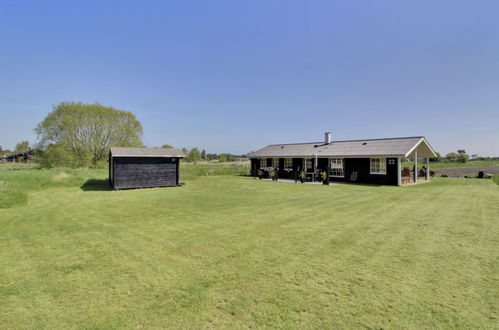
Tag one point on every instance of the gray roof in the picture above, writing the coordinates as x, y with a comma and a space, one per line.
402, 146
146, 152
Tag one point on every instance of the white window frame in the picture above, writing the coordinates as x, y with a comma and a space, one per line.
263, 162
311, 160
288, 163
382, 166
334, 162
275, 162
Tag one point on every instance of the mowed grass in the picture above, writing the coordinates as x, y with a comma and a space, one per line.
17, 180
236, 252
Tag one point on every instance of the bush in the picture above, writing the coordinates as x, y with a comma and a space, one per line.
57, 155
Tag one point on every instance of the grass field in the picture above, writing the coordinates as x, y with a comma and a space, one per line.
232, 251
439, 165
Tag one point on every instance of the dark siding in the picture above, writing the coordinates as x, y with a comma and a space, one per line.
297, 164
363, 167
144, 172
322, 163
255, 165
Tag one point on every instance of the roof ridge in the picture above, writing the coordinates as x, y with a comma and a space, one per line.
393, 138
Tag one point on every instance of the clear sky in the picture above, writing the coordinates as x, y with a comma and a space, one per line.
233, 76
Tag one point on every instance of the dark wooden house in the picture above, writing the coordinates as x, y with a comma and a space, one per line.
144, 167
372, 161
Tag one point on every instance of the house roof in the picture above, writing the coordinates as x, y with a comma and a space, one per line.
401, 147
146, 152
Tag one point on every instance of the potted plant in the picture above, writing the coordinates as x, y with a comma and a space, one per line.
260, 174
271, 173
302, 176
325, 178
275, 175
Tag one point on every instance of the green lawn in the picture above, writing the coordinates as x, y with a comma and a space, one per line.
236, 252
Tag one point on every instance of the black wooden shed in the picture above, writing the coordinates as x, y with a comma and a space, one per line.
144, 167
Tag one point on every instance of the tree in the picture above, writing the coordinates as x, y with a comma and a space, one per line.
226, 158
211, 156
452, 156
462, 157
203, 154
166, 146
88, 130
22, 146
193, 156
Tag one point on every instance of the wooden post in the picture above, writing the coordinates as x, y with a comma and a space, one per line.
427, 169
415, 166
315, 168
399, 172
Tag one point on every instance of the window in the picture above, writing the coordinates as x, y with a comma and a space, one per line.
337, 167
391, 161
378, 166
263, 162
288, 163
309, 165
275, 162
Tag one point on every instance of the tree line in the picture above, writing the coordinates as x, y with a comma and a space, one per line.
454, 157
75, 134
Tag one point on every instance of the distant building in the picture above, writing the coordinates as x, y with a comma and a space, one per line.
20, 156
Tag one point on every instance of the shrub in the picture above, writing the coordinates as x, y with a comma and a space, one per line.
302, 176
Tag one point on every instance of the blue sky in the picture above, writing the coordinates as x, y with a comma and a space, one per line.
233, 76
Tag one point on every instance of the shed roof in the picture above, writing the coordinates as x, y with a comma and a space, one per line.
402, 147
146, 152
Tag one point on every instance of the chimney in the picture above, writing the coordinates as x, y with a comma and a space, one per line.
327, 137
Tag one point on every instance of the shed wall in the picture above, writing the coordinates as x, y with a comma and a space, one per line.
144, 172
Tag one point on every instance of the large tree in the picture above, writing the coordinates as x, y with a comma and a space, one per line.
89, 130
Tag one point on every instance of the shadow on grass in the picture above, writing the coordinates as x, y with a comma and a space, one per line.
96, 185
